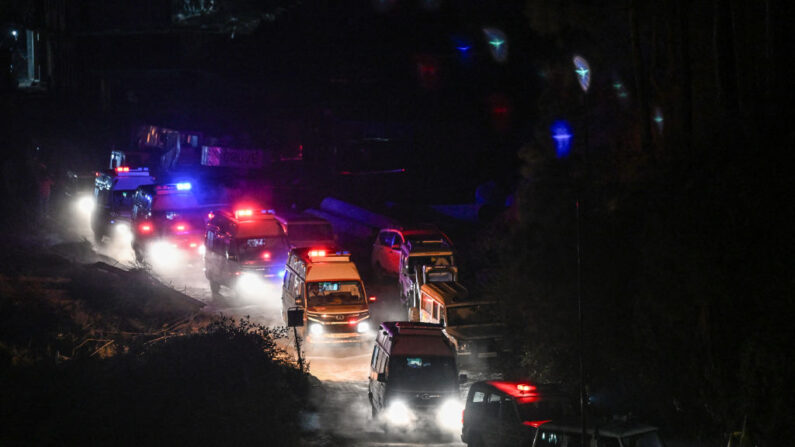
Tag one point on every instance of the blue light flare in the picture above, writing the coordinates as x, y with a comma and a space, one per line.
498, 43
184, 186
561, 134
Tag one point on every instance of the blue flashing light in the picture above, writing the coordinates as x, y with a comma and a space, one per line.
463, 48
583, 70
561, 133
184, 186
282, 273
498, 43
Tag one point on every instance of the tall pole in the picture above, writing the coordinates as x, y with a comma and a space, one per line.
298, 350
579, 319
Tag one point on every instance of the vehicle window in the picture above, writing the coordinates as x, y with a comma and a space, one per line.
477, 397
386, 238
436, 261
430, 371
374, 358
427, 304
122, 199
310, 232
382, 358
256, 248
553, 439
435, 310
287, 278
331, 293
507, 410
476, 314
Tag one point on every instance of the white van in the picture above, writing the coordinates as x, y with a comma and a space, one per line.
327, 285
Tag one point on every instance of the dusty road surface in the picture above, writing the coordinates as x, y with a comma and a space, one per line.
341, 411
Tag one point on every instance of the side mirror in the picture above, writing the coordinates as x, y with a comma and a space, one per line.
382, 377
462, 378
372, 299
295, 317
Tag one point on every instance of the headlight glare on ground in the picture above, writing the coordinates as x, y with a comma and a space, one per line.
315, 329
398, 413
363, 327
448, 416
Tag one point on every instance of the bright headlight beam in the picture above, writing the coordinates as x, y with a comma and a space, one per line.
315, 329
363, 327
448, 416
85, 205
398, 413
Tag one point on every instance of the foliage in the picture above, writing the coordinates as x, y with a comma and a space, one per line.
227, 384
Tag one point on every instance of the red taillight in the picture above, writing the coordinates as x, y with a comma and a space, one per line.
193, 245
180, 227
352, 322
462, 416
372, 299
266, 255
317, 253
535, 424
145, 228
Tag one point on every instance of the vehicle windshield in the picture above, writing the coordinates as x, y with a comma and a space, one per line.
310, 232
123, 199
263, 249
546, 408
436, 261
429, 372
334, 293
648, 439
474, 314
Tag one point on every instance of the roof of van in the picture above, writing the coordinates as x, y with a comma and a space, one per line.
332, 271
417, 339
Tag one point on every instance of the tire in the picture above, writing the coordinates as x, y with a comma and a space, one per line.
215, 287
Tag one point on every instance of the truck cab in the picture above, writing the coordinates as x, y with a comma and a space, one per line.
113, 198
244, 248
474, 326
326, 284
424, 261
413, 377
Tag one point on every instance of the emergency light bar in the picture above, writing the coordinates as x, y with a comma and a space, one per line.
173, 187
184, 186
248, 212
126, 171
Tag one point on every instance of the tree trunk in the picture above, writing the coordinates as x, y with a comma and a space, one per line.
640, 79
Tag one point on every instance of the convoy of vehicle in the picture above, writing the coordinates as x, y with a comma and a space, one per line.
414, 368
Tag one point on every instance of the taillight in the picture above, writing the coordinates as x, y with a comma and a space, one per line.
145, 228
181, 227
266, 255
352, 322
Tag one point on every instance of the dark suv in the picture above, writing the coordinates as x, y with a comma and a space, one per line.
507, 413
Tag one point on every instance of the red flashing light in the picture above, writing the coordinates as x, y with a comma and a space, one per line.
317, 253
243, 213
266, 255
352, 322
180, 227
515, 389
372, 299
145, 228
122, 169
193, 245
535, 424
210, 215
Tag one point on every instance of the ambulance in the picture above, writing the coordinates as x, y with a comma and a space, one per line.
325, 283
113, 199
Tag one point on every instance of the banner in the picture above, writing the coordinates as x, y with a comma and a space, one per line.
233, 158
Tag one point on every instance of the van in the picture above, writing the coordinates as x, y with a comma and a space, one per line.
413, 376
325, 283
113, 198
424, 261
473, 325
306, 230
244, 248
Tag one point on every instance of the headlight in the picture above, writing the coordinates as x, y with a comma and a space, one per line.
202, 250
463, 346
316, 329
249, 282
398, 413
448, 416
123, 231
363, 327
85, 205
